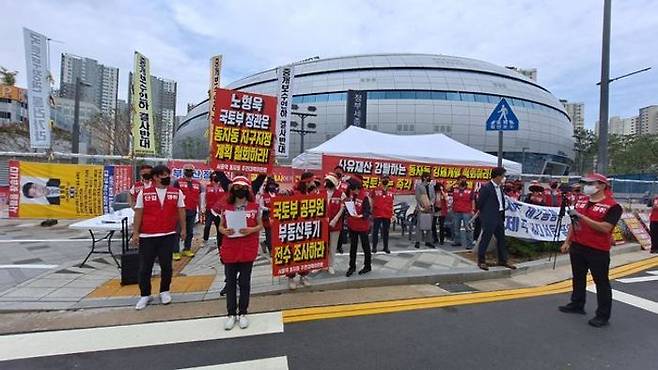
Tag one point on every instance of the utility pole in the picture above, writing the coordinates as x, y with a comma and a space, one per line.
602, 158
75, 135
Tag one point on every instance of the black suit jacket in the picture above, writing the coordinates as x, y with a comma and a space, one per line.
488, 206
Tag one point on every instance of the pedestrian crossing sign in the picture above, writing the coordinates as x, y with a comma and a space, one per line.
502, 118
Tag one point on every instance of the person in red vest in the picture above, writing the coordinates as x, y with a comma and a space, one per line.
536, 195
271, 190
552, 196
340, 174
358, 225
145, 181
239, 250
335, 208
194, 202
463, 200
214, 194
653, 225
588, 244
382, 212
440, 213
158, 209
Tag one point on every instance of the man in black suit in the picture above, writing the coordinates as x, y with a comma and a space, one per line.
491, 205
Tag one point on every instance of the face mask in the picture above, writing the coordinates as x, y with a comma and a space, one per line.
352, 188
463, 183
147, 176
554, 186
240, 193
188, 173
166, 181
271, 189
339, 175
310, 188
384, 182
329, 185
590, 189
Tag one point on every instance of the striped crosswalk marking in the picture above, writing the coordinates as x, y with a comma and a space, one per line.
61, 342
273, 363
630, 299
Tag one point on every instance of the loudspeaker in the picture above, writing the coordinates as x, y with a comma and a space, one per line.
129, 257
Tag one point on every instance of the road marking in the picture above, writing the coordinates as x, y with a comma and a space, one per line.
638, 279
28, 266
60, 342
374, 308
273, 363
630, 299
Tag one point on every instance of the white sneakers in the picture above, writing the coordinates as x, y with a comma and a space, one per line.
230, 323
165, 297
305, 281
331, 270
143, 302
292, 284
242, 321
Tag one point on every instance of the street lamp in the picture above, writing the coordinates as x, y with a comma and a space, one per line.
302, 130
75, 135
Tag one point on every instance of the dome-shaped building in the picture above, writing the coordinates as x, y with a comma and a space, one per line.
414, 94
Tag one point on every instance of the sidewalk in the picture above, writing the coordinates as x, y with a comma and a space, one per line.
69, 287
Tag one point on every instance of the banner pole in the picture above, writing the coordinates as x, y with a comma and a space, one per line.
500, 148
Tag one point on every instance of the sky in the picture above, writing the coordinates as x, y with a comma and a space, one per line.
561, 38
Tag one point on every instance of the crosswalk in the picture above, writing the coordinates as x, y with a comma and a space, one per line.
273, 363
66, 342
630, 299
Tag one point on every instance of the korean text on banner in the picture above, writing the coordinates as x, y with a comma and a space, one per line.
51, 190
215, 78
300, 233
404, 174
356, 109
38, 88
243, 132
116, 180
285, 77
527, 221
201, 171
143, 130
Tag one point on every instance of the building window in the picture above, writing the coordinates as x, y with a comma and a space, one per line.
453, 96
399, 128
6, 115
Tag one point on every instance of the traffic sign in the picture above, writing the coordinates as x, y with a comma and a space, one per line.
502, 118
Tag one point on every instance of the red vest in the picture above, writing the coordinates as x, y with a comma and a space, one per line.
245, 248
267, 203
462, 200
157, 218
575, 197
214, 193
548, 198
333, 206
441, 205
359, 224
583, 234
654, 211
192, 190
382, 203
139, 186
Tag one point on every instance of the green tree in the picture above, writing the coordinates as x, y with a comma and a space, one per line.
7, 77
586, 147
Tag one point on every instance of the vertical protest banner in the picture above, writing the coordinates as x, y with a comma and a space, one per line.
143, 131
285, 77
215, 78
38, 88
300, 233
357, 107
243, 132
54, 190
116, 180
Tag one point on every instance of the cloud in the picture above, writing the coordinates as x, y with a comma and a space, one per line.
561, 38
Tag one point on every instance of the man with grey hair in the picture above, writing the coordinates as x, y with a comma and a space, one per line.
425, 198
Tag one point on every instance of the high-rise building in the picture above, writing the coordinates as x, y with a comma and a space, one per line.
122, 106
576, 112
531, 73
104, 82
13, 104
164, 112
621, 126
648, 120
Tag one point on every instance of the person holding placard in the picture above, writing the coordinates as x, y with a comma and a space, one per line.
306, 185
241, 222
335, 210
358, 224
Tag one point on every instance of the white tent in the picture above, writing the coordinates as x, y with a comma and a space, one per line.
434, 149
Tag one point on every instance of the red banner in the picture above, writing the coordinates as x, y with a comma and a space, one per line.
243, 132
123, 175
404, 174
14, 188
300, 233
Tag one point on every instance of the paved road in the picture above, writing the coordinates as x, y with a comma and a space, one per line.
518, 334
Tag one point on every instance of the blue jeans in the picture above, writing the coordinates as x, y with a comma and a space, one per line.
466, 238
